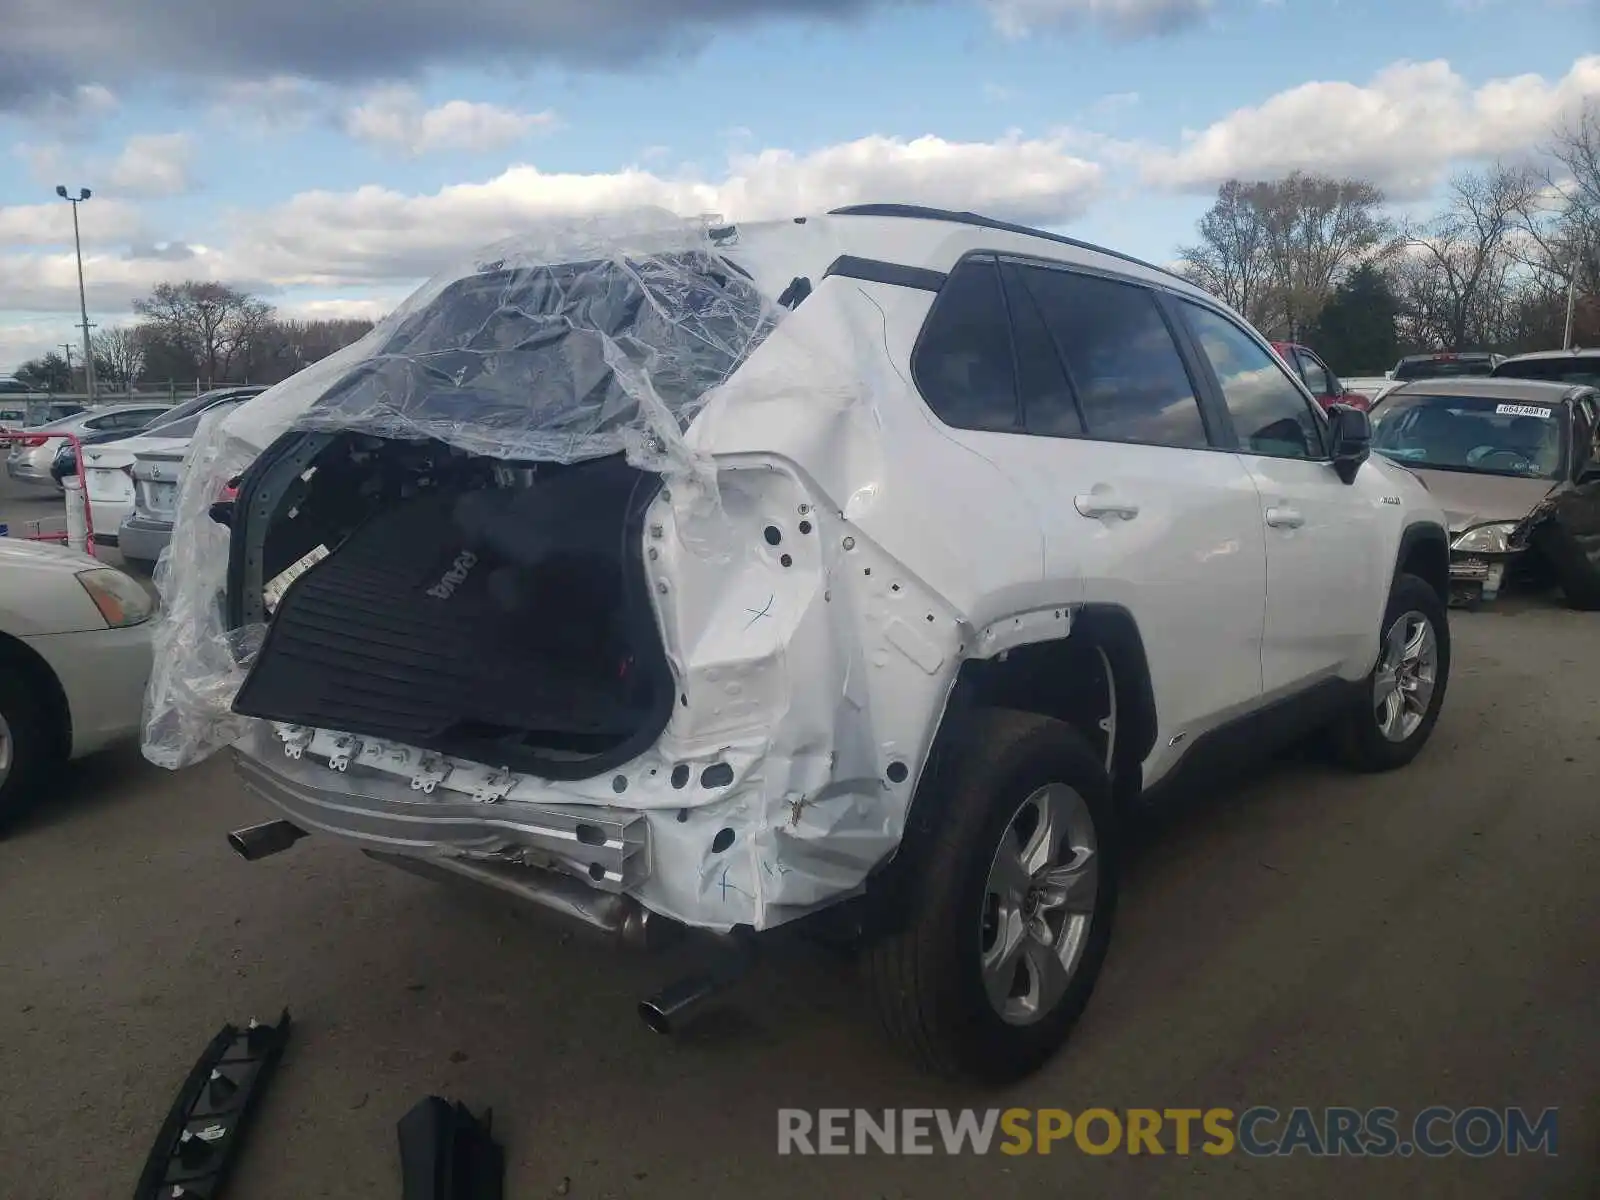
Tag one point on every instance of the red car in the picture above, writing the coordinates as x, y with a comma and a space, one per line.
1324, 384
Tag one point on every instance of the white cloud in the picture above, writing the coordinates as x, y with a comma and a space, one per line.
276, 104
1403, 130
102, 222
152, 164
20, 342
1120, 18
396, 118
374, 233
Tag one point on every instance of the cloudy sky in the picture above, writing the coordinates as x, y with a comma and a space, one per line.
329, 153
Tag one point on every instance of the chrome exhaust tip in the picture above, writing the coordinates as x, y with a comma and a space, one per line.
670, 1008
675, 1006
258, 841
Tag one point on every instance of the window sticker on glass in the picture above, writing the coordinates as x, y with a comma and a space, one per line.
1523, 410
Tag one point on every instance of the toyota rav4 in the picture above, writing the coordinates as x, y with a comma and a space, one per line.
862, 569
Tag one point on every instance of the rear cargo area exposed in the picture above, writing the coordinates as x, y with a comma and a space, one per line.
492, 613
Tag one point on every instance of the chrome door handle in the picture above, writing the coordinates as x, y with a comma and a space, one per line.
1284, 518
1097, 506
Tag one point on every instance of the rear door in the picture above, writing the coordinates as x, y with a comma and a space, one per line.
1140, 510
1322, 576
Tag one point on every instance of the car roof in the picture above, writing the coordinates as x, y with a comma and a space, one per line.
1446, 355
1541, 355
1489, 387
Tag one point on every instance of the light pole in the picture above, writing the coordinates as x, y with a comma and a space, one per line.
83, 304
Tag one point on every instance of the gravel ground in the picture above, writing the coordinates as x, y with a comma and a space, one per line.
1306, 938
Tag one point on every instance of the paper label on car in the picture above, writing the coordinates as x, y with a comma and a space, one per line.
273, 592
1523, 410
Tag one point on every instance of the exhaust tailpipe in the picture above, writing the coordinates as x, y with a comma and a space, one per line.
674, 1006
257, 841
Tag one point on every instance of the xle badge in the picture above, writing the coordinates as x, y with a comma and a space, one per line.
454, 577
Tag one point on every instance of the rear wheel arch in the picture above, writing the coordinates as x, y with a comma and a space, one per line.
21, 660
1062, 678
1425, 552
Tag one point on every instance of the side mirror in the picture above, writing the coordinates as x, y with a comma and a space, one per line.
1350, 431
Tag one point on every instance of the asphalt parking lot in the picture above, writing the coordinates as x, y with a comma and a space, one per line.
1426, 937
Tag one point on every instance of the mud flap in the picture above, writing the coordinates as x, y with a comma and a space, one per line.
195, 1150
447, 1154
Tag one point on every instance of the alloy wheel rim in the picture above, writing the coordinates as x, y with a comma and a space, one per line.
1038, 902
1407, 674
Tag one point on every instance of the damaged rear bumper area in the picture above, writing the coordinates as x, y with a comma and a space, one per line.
482, 607
573, 862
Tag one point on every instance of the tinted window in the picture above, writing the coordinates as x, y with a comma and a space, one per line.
1048, 407
1316, 375
1122, 364
187, 427
1270, 414
1482, 435
963, 363
1575, 370
1442, 368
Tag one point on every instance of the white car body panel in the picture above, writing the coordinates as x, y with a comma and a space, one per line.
927, 545
110, 486
102, 671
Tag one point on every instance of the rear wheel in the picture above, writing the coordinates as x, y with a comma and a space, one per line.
1012, 907
26, 744
1403, 693
1579, 578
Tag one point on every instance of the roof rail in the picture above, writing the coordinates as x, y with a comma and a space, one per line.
922, 213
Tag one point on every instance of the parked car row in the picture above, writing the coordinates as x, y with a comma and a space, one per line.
133, 456
1096, 539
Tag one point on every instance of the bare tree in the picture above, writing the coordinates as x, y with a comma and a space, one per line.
213, 322
118, 356
1229, 260
1276, 250
1457, 281
1316, 229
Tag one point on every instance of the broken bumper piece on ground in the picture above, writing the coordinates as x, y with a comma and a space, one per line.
200, 1139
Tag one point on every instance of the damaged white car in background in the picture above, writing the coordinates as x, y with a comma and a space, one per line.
853, 569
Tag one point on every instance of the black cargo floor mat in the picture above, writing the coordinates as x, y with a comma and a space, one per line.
422, 627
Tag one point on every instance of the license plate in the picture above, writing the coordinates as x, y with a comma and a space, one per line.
158, 497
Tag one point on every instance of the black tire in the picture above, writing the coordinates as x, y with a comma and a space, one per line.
926, 979
1359, 736
29, 747
1578, 577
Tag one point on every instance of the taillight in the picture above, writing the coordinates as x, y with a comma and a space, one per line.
32, 443
229, 492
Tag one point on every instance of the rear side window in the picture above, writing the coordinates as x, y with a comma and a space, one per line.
963, 365
1575, 370
1271, 416
1122, 365
1315, 374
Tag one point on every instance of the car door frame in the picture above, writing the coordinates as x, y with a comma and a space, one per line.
1177, 731
1335, 387
1208, 380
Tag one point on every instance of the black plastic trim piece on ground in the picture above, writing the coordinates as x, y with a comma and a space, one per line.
200, 1138
448, 1154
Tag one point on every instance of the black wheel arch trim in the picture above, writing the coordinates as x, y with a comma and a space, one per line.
1427, 543
882, 905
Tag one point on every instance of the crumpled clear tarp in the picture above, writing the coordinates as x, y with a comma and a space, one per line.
577, 340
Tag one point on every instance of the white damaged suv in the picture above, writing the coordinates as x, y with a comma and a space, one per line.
861, 569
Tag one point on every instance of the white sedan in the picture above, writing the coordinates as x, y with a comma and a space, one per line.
74, 660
